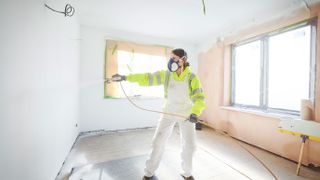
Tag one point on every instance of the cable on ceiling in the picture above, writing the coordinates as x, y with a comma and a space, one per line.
204, 7
68, 10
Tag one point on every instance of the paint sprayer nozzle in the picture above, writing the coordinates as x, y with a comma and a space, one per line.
116, 78
113, 79
108, 80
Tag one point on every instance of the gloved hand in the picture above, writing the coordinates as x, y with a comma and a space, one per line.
118, 78
193, 118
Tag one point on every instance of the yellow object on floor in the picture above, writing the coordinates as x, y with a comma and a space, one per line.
306, 129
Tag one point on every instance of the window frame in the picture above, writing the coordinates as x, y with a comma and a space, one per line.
140, 95
264, 67
113, 90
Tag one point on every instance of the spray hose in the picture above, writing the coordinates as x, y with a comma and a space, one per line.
109, 80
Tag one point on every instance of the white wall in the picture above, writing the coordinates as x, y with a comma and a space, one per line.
39, 67
97, 113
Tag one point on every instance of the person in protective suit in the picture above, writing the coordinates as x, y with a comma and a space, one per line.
184, 96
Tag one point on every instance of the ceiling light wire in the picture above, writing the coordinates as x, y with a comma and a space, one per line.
204, 7
68, 10
306, 5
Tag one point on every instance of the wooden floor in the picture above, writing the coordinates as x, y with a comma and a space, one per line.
122, 154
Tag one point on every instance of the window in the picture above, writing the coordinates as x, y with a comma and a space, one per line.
130, 63
247, 83
129, 58
274, 72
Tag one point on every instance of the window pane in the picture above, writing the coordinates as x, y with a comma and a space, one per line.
289, 68
247, 74
129, 63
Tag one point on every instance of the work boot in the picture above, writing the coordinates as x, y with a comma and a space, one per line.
198, 126
147, 178
188, 178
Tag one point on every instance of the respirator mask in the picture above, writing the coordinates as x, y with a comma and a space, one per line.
173, 66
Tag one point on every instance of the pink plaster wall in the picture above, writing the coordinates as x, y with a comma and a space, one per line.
254, 128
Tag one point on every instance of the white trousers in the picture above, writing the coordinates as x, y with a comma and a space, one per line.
162, 133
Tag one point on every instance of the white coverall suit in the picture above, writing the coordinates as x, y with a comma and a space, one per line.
178, 102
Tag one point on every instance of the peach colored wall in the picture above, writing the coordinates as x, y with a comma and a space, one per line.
317, 108
254, 128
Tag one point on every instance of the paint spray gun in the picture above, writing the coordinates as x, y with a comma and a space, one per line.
116, 78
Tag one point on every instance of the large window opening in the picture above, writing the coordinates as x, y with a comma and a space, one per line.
274, 72
130, 58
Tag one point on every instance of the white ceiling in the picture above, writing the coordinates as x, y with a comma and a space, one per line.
182, 20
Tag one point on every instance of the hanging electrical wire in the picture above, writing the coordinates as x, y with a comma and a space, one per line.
204, 7
68, 10
306, 5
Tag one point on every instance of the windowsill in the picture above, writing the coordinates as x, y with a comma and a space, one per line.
259, 112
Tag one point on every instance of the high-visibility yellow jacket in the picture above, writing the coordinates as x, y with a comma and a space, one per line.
162, 78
